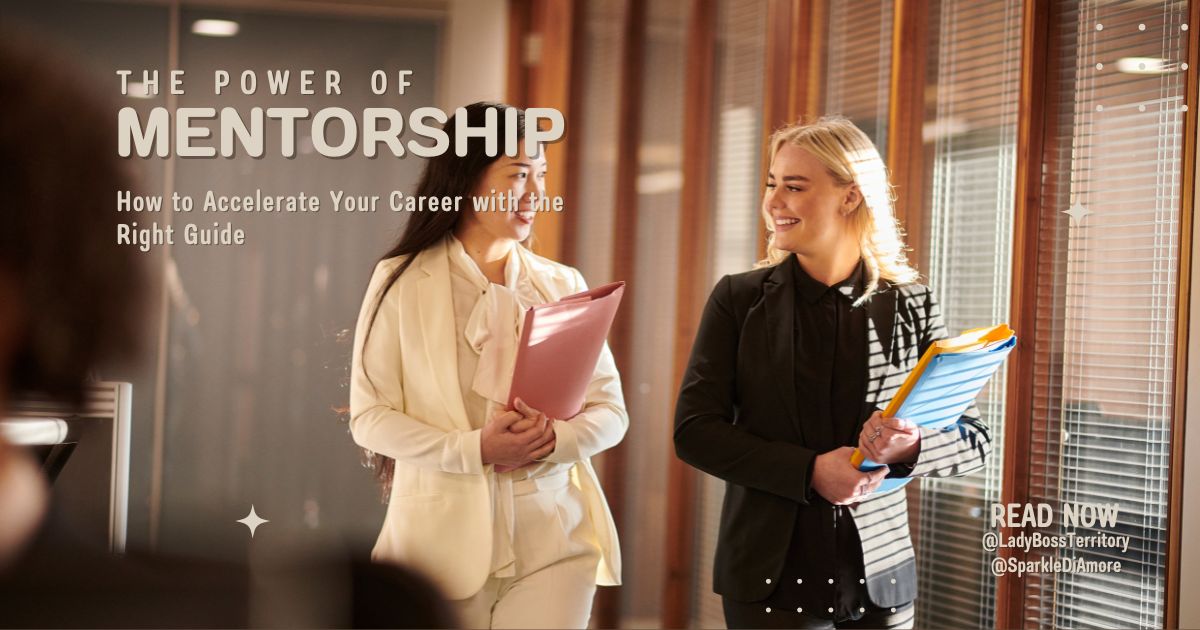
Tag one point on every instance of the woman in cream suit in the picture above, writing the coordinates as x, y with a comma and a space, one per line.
502, 508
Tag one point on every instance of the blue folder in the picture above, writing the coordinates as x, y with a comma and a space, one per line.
942, 391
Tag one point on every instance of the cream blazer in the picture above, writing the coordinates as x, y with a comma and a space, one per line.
439, 515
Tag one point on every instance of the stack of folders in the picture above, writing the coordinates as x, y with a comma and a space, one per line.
945, 382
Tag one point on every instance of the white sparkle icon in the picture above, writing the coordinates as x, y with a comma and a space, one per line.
1077, 211
252, 521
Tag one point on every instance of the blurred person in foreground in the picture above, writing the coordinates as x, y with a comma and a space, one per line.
71, 300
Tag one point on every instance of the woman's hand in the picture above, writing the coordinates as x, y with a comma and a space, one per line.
517, 437
836, 479
533, 417
889, 440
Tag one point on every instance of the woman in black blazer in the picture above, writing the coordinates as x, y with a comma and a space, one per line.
791, 364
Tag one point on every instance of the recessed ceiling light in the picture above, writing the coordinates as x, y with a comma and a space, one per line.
215, 28
137, 89
945, 127
659, 182
1141, 65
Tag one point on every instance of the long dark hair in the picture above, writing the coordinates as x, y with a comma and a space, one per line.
445, 175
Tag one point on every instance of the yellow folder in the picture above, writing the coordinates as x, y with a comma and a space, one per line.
976, 340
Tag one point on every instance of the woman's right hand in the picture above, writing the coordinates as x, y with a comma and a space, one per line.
508, 445
839, 481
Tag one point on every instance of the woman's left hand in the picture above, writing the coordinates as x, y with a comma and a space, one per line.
532, 418
889, 440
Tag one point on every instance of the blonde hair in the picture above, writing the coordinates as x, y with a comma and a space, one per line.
851, 158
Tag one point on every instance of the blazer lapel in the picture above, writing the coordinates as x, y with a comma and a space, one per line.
881, 342
539, 274
435, 306
779, 302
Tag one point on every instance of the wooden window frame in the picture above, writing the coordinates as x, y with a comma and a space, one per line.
906, 118
555, 28
1036, 107
1032, 115
795, 46
624, 263
1182, 318
540, 75
691, 290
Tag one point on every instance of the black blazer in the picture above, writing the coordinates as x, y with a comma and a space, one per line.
737, 418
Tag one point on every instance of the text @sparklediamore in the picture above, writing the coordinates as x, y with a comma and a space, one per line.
218, 213
1035, 538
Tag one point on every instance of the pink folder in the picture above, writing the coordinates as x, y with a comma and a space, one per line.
560, 345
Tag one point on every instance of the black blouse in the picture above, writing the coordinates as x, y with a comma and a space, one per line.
823, 572
831, 353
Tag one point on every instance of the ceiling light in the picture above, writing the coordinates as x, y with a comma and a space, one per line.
215, 28
137, 89
1141, 65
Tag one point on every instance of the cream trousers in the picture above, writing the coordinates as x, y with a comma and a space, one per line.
556, 558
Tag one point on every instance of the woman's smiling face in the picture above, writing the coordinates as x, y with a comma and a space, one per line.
525, 178
806, 205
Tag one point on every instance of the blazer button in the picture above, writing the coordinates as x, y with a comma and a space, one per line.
768, 580
831, 580
893, 580
831, 609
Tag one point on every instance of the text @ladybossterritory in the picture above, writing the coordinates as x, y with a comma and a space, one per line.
208, 220
1034, 538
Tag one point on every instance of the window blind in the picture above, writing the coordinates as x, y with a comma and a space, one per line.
859, 64
737, 195
973, 72
650, 389
1106, 271
595, 131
